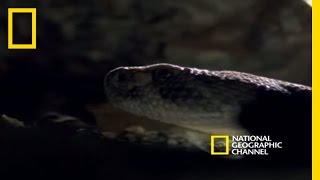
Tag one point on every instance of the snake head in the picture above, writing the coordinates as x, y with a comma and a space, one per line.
177, 95
138, 82
150, 88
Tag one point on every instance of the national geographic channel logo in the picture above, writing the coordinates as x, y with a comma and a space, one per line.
242, 145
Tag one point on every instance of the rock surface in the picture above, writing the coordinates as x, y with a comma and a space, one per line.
79, 41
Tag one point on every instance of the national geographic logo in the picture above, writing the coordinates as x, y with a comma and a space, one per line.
242, 145
11, 12
220, 145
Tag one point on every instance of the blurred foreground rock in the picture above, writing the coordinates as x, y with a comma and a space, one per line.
39, 153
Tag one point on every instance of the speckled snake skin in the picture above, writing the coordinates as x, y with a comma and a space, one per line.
194, 98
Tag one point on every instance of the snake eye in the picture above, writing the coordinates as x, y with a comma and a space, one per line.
162, 75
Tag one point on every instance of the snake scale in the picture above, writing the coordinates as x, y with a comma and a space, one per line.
215, 102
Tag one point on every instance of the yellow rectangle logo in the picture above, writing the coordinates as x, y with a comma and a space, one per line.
215, 140
33, 12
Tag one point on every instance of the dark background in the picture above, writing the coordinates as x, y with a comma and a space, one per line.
79, 41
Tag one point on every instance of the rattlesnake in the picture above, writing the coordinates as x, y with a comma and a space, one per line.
214, 102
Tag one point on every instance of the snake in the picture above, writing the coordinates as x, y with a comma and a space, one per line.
214, 102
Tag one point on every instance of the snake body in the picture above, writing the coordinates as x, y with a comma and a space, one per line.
213, 102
